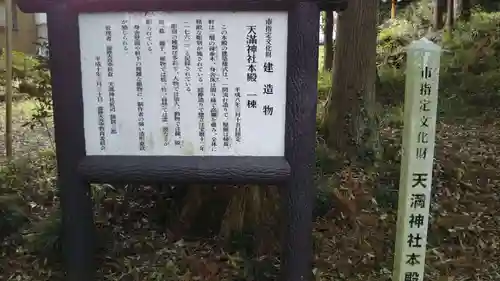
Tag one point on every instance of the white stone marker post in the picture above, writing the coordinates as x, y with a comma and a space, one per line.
420, 108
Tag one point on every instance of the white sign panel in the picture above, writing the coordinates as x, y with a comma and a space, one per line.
184, 83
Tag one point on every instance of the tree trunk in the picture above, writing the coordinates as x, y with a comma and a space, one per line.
328, 30
466, 10
457, 9
350, 122
393, 9
450, 15
439, 8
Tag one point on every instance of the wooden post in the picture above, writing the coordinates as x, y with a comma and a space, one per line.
8, 80
78, 230
393, 9
421, 97
300, 138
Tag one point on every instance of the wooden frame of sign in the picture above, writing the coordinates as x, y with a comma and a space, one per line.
290, 165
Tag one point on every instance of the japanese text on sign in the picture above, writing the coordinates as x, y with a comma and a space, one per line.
205, 83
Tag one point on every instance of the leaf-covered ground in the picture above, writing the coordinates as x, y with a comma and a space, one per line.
464, 227
353, 240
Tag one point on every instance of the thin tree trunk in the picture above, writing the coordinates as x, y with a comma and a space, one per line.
457, 9
350, 121
8, 80
393, 9
328, 30
439, 8
450, 20
450, 15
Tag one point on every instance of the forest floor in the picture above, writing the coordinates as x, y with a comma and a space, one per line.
25, 140
464, 229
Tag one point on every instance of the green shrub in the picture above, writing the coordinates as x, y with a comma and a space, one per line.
31, 80
27, 194
469, 76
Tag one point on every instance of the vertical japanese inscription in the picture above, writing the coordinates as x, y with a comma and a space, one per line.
251, 45
214, 111
420, 180
176, 84
225, 88
237, 114
163, 82
201, 88
424, 117
187, 59
269, 37
125, 31
149, 35
139, 87
111, 83
268, 67
251, 51
100, 102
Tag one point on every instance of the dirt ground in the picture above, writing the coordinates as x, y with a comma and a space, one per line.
352, 242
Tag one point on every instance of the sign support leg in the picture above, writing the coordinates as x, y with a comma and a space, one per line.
76, 204
78, 229
300, 141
